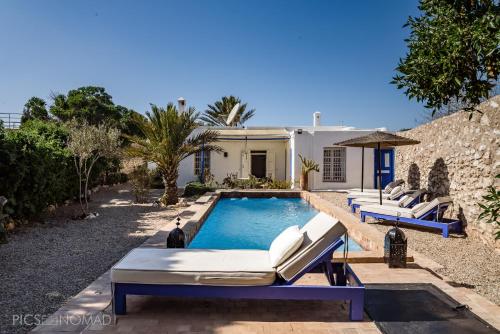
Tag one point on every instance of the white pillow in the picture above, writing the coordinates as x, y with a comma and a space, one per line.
395, 190
285, 244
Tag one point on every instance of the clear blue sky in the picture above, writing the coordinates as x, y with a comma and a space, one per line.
285, 58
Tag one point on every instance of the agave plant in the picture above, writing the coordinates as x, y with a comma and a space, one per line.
308, 166
216, 114
166, 139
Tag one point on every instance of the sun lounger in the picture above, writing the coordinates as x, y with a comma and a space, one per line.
241, 274
427, 214
406, 201
395, 194
386, 190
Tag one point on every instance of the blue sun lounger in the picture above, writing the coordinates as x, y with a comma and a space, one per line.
427, 214
395, 194
241, 274
406, 201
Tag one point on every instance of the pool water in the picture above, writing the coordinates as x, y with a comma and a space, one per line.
253, 223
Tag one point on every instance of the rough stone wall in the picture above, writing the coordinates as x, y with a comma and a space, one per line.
457, 157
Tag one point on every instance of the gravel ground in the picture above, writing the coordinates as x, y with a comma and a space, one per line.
467, 262
45, 264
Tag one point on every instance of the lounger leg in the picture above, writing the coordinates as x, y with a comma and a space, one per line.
353, 209
341, 277
457, 227
119, 301
356, 307
446, 231
363, 217
329, 272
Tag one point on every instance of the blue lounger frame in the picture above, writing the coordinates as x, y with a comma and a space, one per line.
342, 287
429, 219
413, 202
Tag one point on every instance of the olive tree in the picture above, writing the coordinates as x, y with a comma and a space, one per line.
453, 55
89, 143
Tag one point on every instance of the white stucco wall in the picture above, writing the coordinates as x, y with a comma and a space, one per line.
311, 145
221, 166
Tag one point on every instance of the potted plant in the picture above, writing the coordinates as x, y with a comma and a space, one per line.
308, 166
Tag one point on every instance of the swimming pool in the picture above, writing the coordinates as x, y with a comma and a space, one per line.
253, 223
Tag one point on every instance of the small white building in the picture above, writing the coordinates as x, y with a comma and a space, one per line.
273, 152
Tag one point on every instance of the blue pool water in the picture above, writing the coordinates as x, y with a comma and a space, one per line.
252, 223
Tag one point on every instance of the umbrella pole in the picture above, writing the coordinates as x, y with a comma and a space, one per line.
379, 173
362, 166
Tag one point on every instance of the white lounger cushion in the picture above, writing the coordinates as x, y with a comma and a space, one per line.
374, 200
418, 211
387, 210
390, 196
370, 194
285, 244
195, 267
319, 233
403, 202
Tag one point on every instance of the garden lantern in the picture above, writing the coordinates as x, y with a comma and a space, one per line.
395, 246
176, 237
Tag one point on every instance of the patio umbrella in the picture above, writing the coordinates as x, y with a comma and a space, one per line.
378, 140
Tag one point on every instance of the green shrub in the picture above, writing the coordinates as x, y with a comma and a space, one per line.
196, 188
35, 168
277, 184
140, 180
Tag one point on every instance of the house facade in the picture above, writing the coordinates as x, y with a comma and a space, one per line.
274, 152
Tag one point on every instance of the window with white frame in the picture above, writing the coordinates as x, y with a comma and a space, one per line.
197, 162
334, 164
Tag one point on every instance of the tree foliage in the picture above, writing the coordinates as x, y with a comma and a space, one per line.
166, 139
36, 169
453, 55
89, 143
35, 108
216, 114
94, 106
91, 104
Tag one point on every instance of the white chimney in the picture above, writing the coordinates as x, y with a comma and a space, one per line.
316, 119
182, 104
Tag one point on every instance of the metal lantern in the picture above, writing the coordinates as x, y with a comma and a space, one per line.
176, 237
395, 246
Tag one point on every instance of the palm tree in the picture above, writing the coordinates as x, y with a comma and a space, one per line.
35, 108
216, 114
166, 139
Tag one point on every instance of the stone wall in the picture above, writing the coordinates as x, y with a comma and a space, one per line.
457, 157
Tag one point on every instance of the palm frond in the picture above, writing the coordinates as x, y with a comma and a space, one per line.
216, 114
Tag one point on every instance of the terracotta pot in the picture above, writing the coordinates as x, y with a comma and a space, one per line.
304, 182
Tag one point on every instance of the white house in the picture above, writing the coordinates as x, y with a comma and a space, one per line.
273, 152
